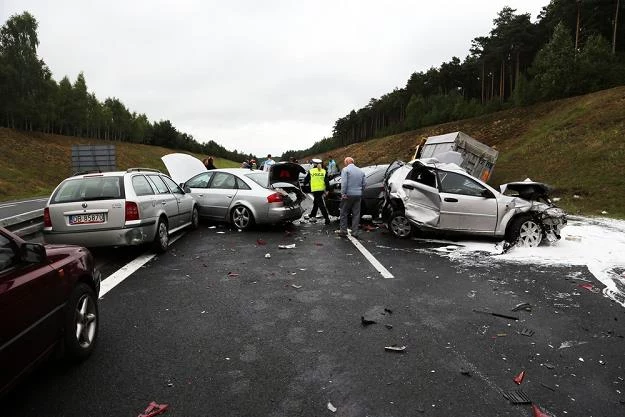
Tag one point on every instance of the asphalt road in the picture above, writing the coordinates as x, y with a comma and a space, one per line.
282, 336
13, 208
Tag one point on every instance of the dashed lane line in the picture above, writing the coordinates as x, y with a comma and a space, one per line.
127, 270
376, 264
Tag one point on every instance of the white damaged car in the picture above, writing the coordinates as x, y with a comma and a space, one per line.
428, 194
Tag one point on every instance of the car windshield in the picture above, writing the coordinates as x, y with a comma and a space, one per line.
259, 177
89, 188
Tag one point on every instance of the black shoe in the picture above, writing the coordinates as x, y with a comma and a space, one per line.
327, 222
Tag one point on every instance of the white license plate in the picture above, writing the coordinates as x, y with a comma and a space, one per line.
86, 218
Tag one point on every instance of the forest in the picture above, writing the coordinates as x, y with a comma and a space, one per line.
574, 47
31, 100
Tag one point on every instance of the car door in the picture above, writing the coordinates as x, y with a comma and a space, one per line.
166, 200
198, 186
466, 204
222, 190
31, 302
422, 202
185, 201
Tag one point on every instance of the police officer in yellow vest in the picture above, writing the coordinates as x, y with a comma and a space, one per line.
318, 184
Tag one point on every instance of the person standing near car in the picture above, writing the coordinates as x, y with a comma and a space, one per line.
353, 181
268, 163
318, 184
332, 168
209, 164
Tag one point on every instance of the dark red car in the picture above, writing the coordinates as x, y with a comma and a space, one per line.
48, 299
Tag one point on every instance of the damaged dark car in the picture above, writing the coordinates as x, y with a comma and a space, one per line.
430, 195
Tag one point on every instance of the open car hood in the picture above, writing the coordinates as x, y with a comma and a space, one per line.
285, 172
527, 190
182, 166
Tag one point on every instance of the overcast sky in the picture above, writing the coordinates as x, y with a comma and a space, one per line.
260, 76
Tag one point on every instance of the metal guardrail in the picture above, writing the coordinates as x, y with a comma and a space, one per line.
24, 224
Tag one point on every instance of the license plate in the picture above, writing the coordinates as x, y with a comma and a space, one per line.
86, 218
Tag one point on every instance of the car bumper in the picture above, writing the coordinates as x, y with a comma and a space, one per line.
284, 214
114, 237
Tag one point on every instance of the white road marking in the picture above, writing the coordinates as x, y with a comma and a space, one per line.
377, 265
15, 203
127, 270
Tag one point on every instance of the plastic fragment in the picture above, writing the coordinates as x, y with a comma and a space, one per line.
388, 310
388, 326
366, 322
581, 359
232, 274
221, 233
496, 314
261, 242
291, 246
395, 348
519, 378
154, 409
589, 287
297, 287
522, 306
537, 412
549, 366
331, 407
267, 255
212, 227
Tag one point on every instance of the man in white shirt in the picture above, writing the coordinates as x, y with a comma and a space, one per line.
268, 163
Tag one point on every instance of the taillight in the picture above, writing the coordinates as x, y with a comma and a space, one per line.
132, 211
47, 222
275, 198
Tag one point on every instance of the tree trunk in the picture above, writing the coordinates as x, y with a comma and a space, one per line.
483, 75
518, 69
618, 3
577, 29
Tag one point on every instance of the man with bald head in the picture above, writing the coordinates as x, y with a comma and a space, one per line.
352, 183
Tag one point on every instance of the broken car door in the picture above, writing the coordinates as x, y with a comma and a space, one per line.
422, 202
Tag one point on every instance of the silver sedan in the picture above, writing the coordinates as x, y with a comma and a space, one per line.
240, 196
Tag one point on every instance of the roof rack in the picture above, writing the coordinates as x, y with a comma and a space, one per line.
142, 169
92, 171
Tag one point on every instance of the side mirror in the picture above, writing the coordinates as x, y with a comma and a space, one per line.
33, 253
185, 188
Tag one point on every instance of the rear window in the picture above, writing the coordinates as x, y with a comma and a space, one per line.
141, 185
260, 178
89, 188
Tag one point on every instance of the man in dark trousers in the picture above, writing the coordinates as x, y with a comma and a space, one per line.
353, 181
318, 185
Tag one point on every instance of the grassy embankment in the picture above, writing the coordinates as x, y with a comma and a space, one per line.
32, 164
576, 145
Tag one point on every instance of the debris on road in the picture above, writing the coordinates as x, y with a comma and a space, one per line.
261, 242
387, 310
466, 372
331, 407
221, 233
297, 287
589, 287
291, 246
267, 255
519, 378
538, 412
212, 227
154, 409
232, 275
549, 387
527, 332
366, 322
522, 306
388, 326
517, 397
570, 343
496, 314
395, 348
548, 366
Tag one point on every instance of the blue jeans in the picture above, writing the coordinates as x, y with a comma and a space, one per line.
351, 204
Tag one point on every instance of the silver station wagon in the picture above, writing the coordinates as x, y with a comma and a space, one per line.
121, 208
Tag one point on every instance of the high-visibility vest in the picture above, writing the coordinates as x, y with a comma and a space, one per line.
317, 179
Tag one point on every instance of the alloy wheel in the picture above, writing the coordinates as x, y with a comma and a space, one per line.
530, 234
85, 321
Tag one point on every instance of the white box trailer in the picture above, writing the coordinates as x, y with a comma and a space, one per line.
475, 157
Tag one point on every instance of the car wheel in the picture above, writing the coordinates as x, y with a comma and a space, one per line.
242, 217
81, 322
399, 225
161, 240
195, 218
525, 232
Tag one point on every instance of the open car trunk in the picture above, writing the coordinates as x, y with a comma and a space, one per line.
284, 178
